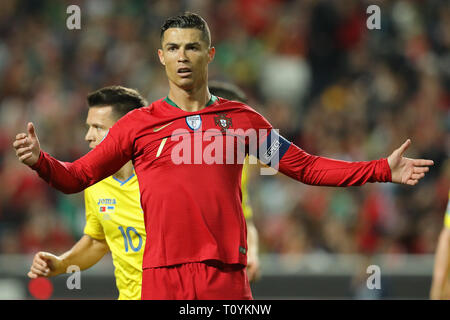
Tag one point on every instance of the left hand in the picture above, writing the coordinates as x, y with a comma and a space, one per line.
405, 170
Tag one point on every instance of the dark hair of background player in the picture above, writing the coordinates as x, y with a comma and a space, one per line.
227, 90
121, 99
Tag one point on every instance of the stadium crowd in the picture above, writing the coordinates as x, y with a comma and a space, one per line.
312, 68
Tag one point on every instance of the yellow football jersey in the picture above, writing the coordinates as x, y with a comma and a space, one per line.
114, 213
447, 213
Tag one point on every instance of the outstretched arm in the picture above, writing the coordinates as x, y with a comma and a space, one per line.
315, 170
84, 254
108, 157
298, 164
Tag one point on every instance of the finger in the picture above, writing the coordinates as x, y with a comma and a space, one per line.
404, 146
31, 275
421, 169
22, 151
31, 130
19, 143
417, 176
39, 266
423, 162
412, 182
21, 135
41, 263
37, 270
25, 157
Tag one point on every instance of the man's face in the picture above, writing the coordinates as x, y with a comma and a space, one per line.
98, 122
185, 56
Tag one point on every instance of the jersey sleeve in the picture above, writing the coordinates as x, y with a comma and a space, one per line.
93, 227
281, 154
109, 156
321, 171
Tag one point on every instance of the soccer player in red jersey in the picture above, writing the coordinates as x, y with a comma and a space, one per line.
190, 181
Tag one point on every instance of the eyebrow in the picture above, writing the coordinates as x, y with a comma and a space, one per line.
187, 44
93, 124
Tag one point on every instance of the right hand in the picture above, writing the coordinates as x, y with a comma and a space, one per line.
27, 146
45, 264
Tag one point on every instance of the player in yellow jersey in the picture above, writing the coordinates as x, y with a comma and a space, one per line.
231, 92
114, 217
440, 288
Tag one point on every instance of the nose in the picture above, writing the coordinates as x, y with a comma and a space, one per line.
89, 136
182, 55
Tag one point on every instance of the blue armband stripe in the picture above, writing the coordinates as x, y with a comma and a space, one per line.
273, 149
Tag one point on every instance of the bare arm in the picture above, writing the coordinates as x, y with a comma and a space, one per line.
441, 265
84, 254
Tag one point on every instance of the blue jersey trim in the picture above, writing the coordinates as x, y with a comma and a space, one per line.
123, 182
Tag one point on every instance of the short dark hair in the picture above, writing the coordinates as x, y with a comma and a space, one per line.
227, 90
121, 99
187, 20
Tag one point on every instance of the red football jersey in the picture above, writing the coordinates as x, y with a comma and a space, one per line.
189, 165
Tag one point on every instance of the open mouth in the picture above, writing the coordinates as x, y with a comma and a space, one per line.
184, 72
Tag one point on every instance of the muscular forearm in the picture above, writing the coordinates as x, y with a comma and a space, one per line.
85, 253
441, 265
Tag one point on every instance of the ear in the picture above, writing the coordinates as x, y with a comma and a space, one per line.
161, 57
211, 54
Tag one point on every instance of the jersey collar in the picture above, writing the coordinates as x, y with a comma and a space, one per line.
123, 182
210, 102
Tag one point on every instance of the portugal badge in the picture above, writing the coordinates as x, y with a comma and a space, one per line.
223, 121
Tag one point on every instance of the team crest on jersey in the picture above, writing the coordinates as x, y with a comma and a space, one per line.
194, 122
223, 121
106, 206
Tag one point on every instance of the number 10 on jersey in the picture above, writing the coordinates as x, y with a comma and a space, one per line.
127, 238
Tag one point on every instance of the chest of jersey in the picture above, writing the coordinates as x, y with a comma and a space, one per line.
207, 138
118, 209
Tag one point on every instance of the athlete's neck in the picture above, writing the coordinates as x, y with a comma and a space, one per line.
189, 100
125, 172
